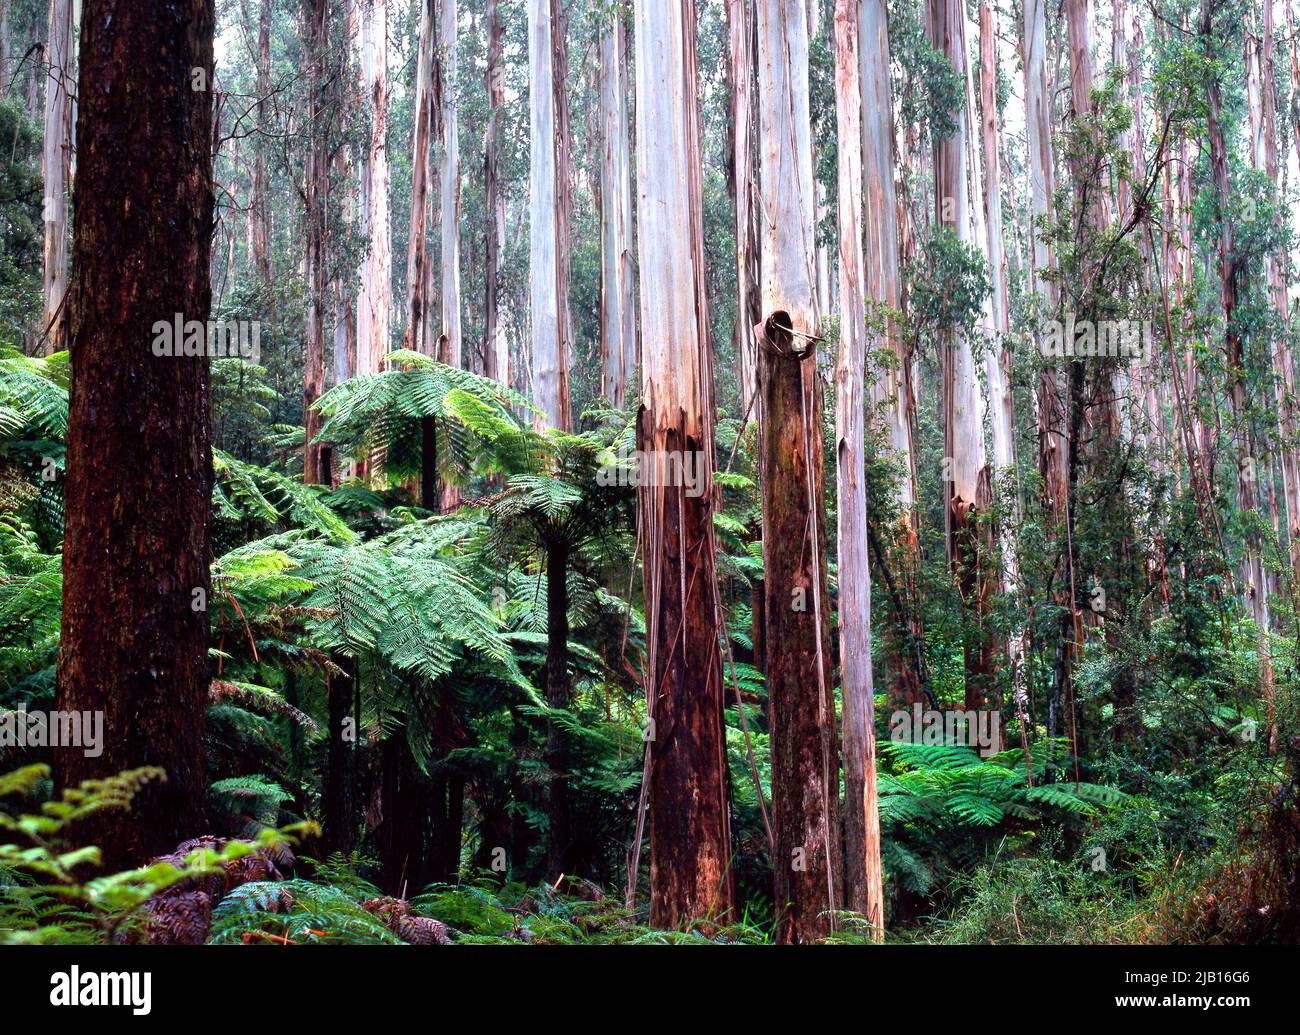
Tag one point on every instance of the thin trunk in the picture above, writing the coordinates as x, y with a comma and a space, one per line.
496, 345
617, 315
741, 26
56, 170
559, 834
417, 242
449, 196
863, 886
315, 15
1283, 366
259, 213
375, 303
1231, 272
137, 549
690, 835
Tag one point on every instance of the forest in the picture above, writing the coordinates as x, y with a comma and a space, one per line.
634, 472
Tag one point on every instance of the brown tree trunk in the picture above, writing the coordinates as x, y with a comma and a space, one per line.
137, 547
805, 763
559, 839
690, 835
337, 812
315, 15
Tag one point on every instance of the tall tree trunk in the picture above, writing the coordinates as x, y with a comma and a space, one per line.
137, 549
56, 166
417, 243
863, 884
559, 835
1283, 366
315, 15
550, 362
1231, 275
744, 192
449, 196
967, 486
805, 764
259, 213
892, 388
892, 393
998, 357
496, 345
376, 300
617, 316
690, 835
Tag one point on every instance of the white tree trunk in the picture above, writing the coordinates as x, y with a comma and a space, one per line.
449, 196
375, 304
549, 361
416, 246
56, 168
862, 867
892, 387
789, 263
740, 24
617, 315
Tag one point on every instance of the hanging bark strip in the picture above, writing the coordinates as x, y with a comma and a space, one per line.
690, 836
